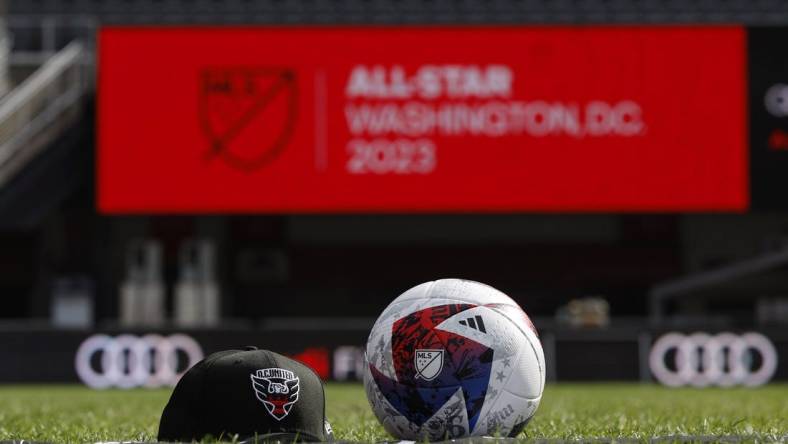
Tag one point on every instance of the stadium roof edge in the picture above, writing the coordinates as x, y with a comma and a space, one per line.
148, 12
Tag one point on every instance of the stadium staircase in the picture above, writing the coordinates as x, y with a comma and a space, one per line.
45, 139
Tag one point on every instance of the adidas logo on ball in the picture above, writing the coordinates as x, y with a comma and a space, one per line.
476, 323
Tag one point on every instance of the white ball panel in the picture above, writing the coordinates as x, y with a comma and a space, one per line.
495, 388
526, 375
378, 351
507, 411
460, 290
518, 317
536, 344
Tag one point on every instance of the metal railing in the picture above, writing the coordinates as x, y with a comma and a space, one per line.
683, 287
37, 111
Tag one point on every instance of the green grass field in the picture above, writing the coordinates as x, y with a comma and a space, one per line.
73, 414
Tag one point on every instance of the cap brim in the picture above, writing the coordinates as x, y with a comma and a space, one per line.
283, 438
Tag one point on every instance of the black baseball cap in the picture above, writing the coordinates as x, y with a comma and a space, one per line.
257, 395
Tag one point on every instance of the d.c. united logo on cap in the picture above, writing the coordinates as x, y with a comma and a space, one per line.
277, 389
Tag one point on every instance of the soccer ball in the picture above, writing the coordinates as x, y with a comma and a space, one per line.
452, 358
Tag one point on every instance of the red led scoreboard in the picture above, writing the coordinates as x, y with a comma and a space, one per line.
195, 120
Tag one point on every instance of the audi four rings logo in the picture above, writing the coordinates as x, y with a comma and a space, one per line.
724, 359
128, 361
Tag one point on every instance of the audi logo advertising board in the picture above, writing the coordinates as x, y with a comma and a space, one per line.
477, 119
119, 359
128, 361
724, 359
